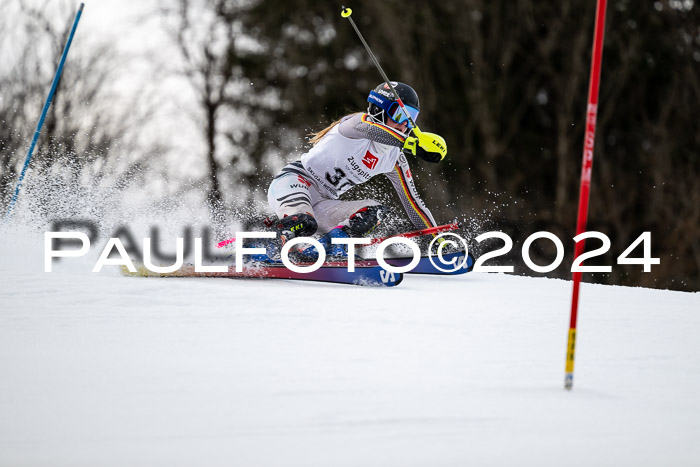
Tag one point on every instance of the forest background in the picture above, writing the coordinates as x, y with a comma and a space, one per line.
206, 100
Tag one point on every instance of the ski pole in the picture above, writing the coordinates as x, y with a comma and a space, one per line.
56, 78
374, 241
346, 14
225, 242
415, 233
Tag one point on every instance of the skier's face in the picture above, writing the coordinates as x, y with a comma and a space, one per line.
402, 127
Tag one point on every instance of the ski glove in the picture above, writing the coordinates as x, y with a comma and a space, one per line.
427, 146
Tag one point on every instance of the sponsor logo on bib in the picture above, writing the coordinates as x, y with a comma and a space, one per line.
370, 160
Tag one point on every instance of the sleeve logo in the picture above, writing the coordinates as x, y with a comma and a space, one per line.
304, 181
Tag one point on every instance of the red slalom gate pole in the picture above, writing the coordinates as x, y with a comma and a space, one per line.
586, 168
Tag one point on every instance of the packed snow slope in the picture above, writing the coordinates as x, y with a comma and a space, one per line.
104, 370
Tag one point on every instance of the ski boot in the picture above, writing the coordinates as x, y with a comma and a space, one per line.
364, 221
360, 224
287, 228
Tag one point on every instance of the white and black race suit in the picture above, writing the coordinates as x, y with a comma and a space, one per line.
351, 153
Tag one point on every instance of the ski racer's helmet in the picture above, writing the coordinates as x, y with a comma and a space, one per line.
383, 105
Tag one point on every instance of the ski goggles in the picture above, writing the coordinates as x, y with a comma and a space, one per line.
393, 109
401, 114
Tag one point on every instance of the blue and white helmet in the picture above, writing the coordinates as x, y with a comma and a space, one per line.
383, 104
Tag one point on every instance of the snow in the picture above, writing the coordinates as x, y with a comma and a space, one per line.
99, 369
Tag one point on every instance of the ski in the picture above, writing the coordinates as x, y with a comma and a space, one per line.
436, 266
337, 273
451, 264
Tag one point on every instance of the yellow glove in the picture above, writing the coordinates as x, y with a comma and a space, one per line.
428, 146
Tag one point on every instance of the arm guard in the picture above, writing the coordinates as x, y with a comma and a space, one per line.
402, 181
361, 126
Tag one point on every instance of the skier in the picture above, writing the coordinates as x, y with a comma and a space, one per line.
351, 151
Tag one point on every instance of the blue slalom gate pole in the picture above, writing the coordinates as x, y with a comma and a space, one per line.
47, 104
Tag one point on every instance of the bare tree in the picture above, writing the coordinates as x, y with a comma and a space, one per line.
89, 139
